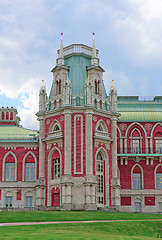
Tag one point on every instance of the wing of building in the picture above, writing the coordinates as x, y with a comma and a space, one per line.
93, 150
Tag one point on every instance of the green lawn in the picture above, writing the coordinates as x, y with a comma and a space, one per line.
71, 216
114, 230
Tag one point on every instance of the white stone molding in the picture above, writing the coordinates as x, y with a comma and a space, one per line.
151, 140
75, 145
35, 167
142, 180
103, 124
126, 133
4, 160
155, 174
53, 124
121, 139
106, 171
89, 143
49, 172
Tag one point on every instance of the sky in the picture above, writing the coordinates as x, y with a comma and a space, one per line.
128, 35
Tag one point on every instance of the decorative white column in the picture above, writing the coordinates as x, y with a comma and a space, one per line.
115, 182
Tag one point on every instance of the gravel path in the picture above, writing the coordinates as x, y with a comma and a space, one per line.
62, 222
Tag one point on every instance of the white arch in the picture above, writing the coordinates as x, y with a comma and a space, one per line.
49, 171
142, 184
35, 170
103, 124
155, 174
55, 122
137, 131
4, 160
106, 159
126, 133
121, 140
158, 123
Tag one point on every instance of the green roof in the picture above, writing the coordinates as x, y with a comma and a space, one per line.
17, 134
140, 111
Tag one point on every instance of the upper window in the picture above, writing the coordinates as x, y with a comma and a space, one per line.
29, 171
159, 146
100, 128
159, 180
135, 143
56, 128
100, 179
10, 171
96, 87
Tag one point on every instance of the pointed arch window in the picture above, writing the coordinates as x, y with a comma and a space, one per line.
137, 178
56, 168
7, 115
158, 144
159, 177
3, 116
100, 179
29, 171
11, 116
10, 171
56, 128
100, 128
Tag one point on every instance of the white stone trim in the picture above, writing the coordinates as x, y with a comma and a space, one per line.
52, 125
126, 133
49, 173
121, 140
35, 167
103, 124
151, 134
4, 160
142, 180
81, 150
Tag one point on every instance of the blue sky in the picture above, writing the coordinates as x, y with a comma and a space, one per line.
128, 34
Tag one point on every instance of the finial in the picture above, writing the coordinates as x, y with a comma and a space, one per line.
42, 83
67, 75
93, 35
61, 35
112, 83
88, 75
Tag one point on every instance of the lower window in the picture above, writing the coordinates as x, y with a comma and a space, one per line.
8, 201
160, 206
29, 201
137, 207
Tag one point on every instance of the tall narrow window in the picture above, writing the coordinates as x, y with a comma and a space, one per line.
137, 207
159, 146
29, 201
8, 201
29, 171
135, 143
136, 180
100, 180
7, 115
56, 168
11, 116
159, 180
2, 115
59, 87
10, 171
96, 87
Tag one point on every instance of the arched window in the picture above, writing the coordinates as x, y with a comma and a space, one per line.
11, 116
10, 168
2, 115
96, 87
60, 103
159, 177
136, 139
95, 103
56, 128
137, 178
100, 104
100, 128
55, 104
56, 168
59, 87
29, 168
100, 180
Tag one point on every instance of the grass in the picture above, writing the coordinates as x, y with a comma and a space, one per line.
143, 230
71, 216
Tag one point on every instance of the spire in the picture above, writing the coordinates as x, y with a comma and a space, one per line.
94, 60
61, 53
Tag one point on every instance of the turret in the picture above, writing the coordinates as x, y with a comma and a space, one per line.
113, 97
42, 97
